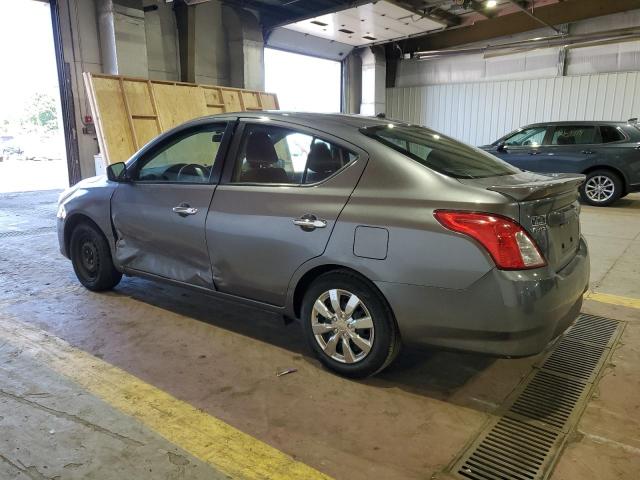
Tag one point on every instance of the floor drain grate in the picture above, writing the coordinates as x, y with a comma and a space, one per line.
524, 442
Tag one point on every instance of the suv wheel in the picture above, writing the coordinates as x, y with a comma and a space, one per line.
349, 325
91, 258
601, 188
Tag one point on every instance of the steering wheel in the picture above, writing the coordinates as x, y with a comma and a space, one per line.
198, 171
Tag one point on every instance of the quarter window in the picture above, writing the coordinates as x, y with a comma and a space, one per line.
610, 134
529, 137
574, 135
278, 155
188, 158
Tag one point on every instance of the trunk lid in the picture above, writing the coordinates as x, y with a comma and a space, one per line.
548, 209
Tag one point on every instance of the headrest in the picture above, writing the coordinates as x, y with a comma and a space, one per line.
320, 159
260, 150
566, 140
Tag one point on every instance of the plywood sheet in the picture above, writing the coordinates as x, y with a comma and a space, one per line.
129, 112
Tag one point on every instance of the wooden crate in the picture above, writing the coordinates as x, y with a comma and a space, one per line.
129, 112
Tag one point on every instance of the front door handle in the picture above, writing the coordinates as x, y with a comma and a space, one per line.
309, 222
184, 209
587, 152
534, 153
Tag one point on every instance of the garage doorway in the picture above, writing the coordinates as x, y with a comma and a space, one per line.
303, 83
32, 149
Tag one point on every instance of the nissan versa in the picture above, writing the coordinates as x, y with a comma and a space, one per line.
372, 232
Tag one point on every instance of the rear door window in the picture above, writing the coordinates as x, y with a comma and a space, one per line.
439, 152
610, 134
574, 135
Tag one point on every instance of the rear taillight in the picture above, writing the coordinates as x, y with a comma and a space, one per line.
506, 241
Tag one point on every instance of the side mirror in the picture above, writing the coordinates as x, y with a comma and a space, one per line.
501, 147
117, 172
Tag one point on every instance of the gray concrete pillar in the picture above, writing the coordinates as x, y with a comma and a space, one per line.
374, 73
352, 83
246, 48
123, 43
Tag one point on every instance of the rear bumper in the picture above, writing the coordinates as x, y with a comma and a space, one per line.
505, 313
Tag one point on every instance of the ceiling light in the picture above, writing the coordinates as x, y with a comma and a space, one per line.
491, 3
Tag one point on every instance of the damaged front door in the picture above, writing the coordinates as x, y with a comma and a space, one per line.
159, 214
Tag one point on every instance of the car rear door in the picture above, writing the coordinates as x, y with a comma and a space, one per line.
283, 189
159, 214
570, 149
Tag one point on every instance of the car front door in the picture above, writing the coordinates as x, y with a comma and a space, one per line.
283, 189
521, 148
159, 213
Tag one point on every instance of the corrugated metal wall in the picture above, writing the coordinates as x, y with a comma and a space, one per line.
479, 113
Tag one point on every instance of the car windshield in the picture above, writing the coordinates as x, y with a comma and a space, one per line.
439, 152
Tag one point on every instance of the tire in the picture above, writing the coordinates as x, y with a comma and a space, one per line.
601, 188
91, 258
327, 332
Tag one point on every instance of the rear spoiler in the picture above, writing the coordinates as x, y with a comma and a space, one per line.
557, 184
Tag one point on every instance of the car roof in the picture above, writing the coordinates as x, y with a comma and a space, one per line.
577, 122
316, 120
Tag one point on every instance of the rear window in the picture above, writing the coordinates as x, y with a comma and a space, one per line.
439, 152
610, 134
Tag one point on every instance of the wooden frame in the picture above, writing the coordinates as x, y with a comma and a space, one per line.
128, 112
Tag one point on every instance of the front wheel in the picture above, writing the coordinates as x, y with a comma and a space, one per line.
349, 325
601, 188
91, 258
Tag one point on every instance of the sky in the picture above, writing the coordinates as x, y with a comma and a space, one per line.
302, 83
27, 57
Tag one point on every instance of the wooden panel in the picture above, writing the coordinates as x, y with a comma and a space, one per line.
113, 119
269, 101
146, 130
231, 100
251, 100
138, 98
179, 103
129, 112
213, 96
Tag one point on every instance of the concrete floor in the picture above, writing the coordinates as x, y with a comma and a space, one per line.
410, 422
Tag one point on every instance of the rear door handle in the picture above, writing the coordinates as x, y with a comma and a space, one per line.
184, 209
534, 153
587, 152
309, 222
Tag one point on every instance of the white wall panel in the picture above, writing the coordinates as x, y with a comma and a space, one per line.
479, 113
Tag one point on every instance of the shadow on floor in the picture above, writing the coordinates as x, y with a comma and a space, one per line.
442, 375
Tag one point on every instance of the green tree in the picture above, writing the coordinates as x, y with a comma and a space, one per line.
41, 114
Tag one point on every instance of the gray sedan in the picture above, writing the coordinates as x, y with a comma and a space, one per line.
371, 232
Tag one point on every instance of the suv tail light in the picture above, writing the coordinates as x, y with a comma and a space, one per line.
506, 241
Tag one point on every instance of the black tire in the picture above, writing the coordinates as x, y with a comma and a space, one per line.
386, 338
591, 196
91, 258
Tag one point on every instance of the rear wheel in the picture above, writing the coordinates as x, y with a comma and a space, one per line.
601, 188
91, 258
349, 325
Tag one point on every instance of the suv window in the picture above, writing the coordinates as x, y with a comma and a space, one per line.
611, 134
574, 135
440, 153
270, 154
187, 158
532, 137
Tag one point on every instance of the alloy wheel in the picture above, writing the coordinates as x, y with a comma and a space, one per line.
342, 326
599, 188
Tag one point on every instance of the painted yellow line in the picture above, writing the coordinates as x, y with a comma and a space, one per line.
614, 299
213, 441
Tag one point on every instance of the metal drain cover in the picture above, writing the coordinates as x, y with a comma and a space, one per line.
523, 443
